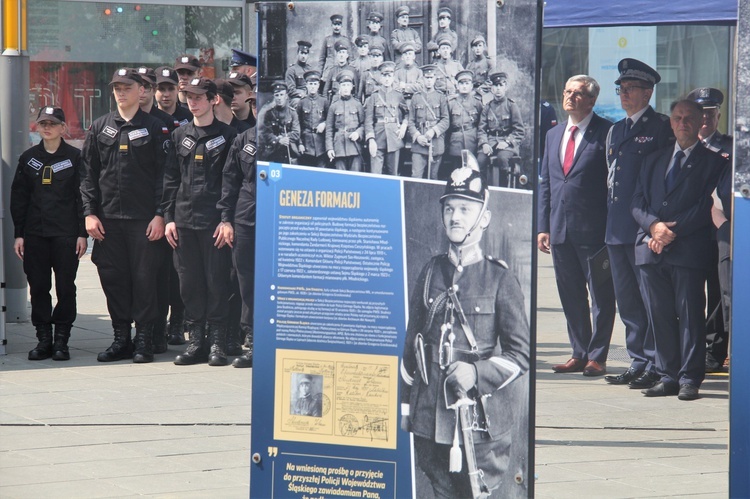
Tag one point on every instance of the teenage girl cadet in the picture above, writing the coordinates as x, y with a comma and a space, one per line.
45, 203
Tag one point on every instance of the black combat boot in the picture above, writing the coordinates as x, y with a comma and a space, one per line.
233, 340
176, 328
196, 352
217, 336
62, 334
246, 359
160, 335
248, 331
43, 349
121, 348
143, 348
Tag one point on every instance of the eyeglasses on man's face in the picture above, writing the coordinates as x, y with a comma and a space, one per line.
628, 90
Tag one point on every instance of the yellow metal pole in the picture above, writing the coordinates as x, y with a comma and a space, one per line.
14, 25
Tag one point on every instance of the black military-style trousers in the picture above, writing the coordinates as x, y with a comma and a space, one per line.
243, 255
128, 265
168, 283
42, 256
204, 276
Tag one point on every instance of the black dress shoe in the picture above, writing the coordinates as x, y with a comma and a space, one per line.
662, 389
624, 378
645, 380
688, 392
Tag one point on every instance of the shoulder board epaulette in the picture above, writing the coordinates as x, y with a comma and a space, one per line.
510, 100
545, 104
492, 259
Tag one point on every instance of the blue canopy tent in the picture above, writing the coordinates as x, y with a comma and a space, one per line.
560, 13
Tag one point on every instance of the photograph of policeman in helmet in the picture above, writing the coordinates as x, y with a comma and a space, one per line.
467, 344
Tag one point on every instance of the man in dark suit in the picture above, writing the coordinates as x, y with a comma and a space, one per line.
629, 141
572, 220
672, 205
717, 328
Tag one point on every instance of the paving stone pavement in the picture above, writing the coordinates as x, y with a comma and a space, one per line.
82, 429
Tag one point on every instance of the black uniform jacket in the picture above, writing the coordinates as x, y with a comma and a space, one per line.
237, 203
123, 166
192, 186
51, 209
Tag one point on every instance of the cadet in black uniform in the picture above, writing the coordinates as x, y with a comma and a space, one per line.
192, 187
243, 87
166, 99
223, 109
237, 206
45, 203
166, 95
123, 161
147, 106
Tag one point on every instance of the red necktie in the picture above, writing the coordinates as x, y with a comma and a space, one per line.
570, 151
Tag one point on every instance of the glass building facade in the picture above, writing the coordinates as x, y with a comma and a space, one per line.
75, 47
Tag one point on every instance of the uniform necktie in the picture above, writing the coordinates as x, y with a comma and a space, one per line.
570, 150
628, 126
675, 171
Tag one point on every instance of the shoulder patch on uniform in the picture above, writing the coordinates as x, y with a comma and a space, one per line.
249, 149
137, 134
35, 163
187, 143
214, 143
109, 131
497, 261
62, 165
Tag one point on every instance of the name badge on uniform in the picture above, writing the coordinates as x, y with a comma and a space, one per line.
188, 143
184, 122
214, 143
249, 149
35, 164
137, 134
109, 131
62, 165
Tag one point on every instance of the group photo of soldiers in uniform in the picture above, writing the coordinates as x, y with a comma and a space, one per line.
395, 89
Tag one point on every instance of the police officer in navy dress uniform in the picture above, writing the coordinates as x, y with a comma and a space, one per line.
717, 330
629, 141
467, 340
45, 204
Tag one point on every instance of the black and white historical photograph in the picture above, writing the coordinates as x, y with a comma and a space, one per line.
399, 88
464, 382
307, 395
